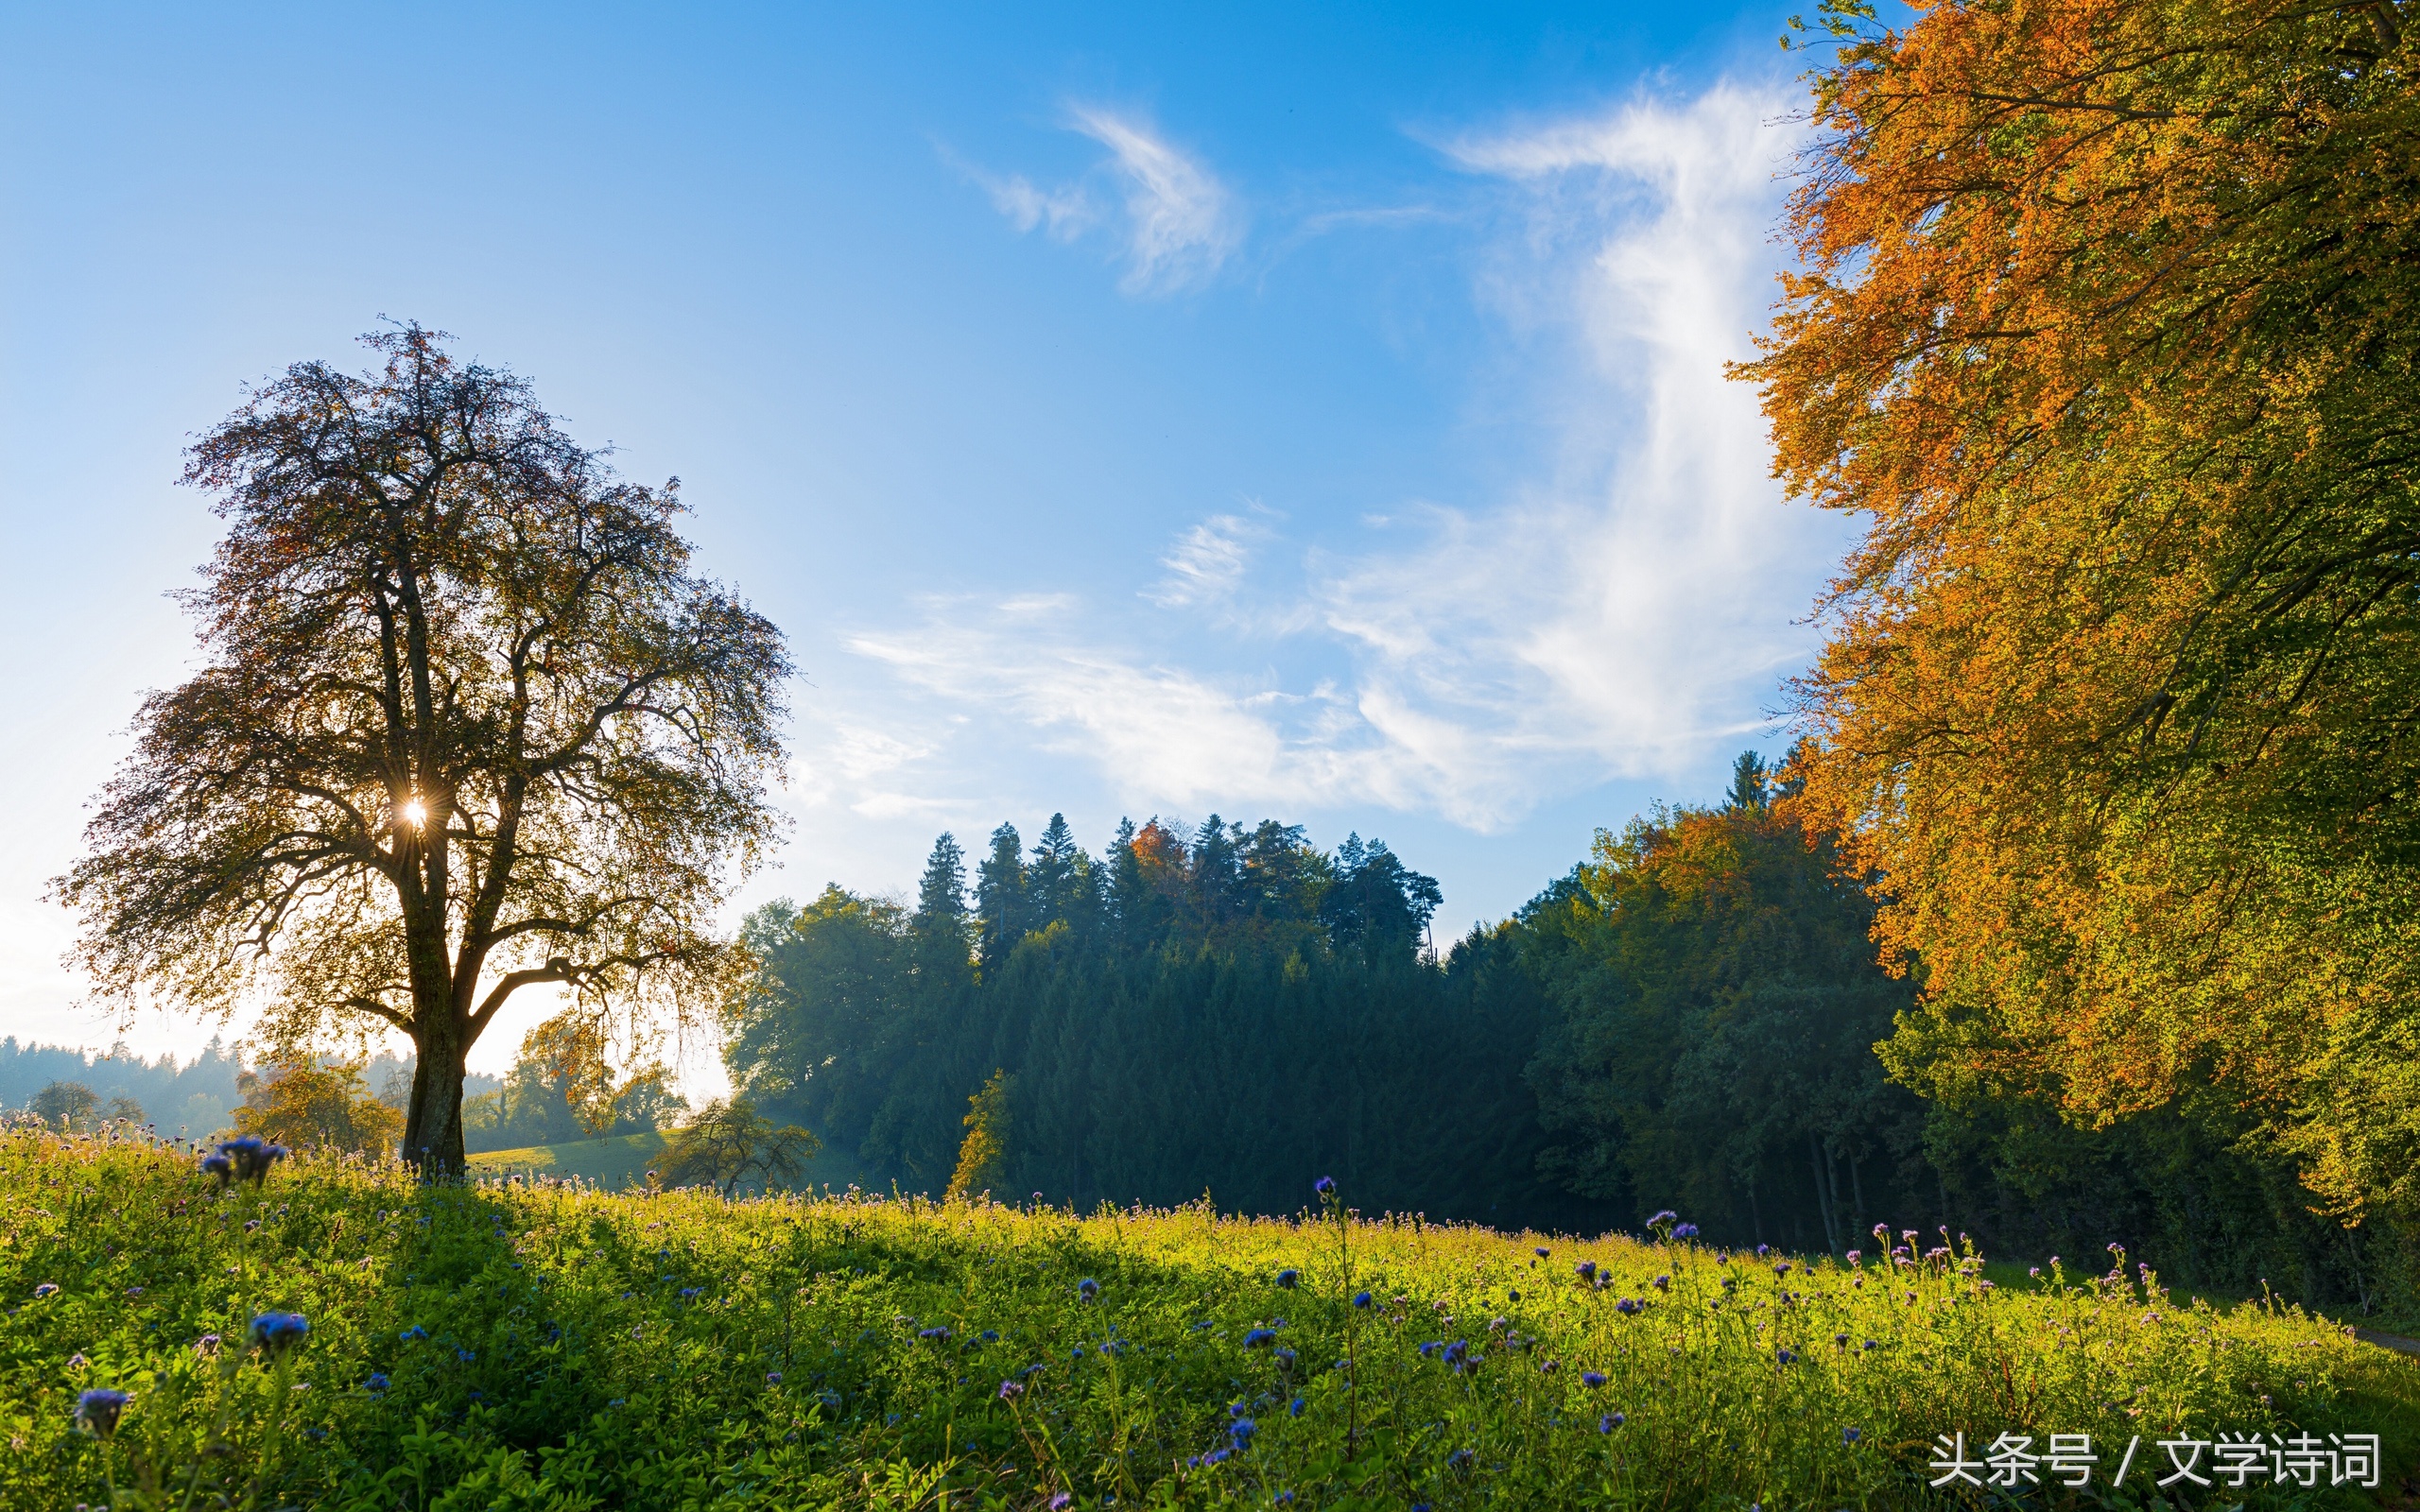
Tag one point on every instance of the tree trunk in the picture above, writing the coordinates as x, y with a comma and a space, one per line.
1856, 1191
1823, 1202
433, 1125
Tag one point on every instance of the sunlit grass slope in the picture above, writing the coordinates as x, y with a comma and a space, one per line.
542, 1345
610, 1162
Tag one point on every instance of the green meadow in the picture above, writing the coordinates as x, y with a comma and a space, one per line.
544, 1344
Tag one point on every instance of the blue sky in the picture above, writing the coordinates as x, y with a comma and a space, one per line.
1298, 412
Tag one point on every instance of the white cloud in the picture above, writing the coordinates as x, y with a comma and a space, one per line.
1176, 223
1208, 563
1624, 606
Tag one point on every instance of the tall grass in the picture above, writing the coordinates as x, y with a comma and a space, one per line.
543, 1345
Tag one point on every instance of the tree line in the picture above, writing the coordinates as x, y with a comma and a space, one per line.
1688, 1020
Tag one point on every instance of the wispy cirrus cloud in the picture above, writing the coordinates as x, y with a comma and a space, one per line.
1621, 606
1176, 223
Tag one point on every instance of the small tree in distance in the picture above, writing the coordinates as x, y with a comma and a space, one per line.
466, 722
305, 1103
727, 1142
65, 1105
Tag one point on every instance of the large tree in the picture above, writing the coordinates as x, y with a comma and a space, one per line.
2106, 322
466, 722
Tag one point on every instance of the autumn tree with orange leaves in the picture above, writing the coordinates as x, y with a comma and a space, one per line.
2104, 322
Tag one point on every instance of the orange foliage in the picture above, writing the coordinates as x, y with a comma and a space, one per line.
2104, 322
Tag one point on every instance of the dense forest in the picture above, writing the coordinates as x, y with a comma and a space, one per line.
1688, 1020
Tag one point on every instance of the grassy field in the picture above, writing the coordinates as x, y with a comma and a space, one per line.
624, 1161
612, 1163
541, 1345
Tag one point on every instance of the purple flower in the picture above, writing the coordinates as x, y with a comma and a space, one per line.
1856, 1255
1784, 1357
1258, 1338
1545, 1253
1685, 1231
134, 1291
1762, 1250
1458, 1460
1586, 1270
1663, 1284
1087, 1289
274, 1333
1592, 1379
1288, 1278
772, 1378
219, 1166
1850, 1435
1668, 1215
96, 1411
46, 1289
1781, 1269
1629, 1305
251, 1157
1294, 1408
1324, 1186
1010, 1390
1610, 1421
1361, 1298
936, 1333
1060, 1501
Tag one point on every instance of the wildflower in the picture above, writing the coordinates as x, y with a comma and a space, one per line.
1513, 1295
1431, 1348
1586, 1270
134, 1291
219, 1166
1258, 1338
466, 1356
1087, 1289
1610, 1421
1840, 1341
1548, 1368
1908, 1234
1284, 1357
1986, 1286
1456, 1352
2034, 1271
1856, 1255
1545, 1253
1288, 1278
1010, 1390
936, 1333
251, 1157
1781, 1269
1361, 1299
1242, 1430
1059, 1501
689, 1292
1850, 1435
1785, 1356
1324, 1186
1663, 1284
415, 1332
376, 1383
1592, 1379
274, 1333
1882, 1231
206, 1346
1629, 1305
1294, 1408
1685, 1231
1458, 1460
45, 1289
96, 1410
990, 1335
77, 1361
1283, 1499
1663, 1218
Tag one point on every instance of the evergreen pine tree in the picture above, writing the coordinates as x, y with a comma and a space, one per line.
1000, 896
